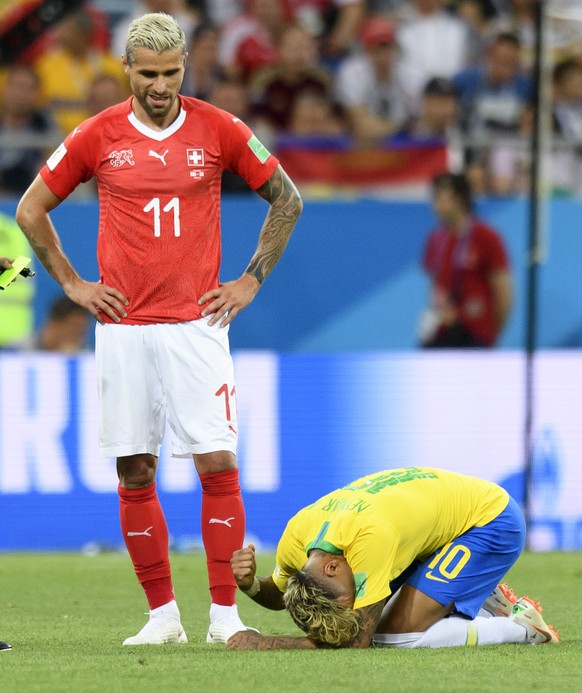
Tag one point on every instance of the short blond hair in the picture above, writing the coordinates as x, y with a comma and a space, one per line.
156, 31
315, 609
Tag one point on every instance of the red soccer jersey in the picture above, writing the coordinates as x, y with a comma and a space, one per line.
159, 198
460, 267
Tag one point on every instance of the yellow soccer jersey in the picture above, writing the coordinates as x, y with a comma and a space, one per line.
381, 523
65, 83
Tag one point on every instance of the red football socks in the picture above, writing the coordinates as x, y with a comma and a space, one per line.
146, 536
223, 531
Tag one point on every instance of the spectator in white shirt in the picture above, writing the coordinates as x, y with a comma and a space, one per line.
432, 44
368, 87
334, 22
568, 100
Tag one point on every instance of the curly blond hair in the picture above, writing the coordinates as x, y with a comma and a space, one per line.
315, 609
156, 31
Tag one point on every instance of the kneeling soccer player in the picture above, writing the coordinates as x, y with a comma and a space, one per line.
400, 558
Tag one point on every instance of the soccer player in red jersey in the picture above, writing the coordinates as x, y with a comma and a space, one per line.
163, 315
469, 272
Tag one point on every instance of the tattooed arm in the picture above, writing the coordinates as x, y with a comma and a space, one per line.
225, 302
369, 620
248, 640
33, 218
286, 206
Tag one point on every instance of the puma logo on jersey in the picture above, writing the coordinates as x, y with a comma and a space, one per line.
118, 158
161, 157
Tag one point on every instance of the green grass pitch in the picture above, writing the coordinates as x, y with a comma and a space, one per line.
66, 616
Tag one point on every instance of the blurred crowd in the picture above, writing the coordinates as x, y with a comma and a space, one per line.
367, 72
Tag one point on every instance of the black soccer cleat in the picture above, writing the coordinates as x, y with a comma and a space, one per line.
5, 646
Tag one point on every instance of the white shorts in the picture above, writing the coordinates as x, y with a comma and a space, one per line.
182, 371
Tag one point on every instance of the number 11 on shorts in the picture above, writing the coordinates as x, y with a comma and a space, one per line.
228, 398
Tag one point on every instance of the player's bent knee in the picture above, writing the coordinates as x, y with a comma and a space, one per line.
136, 471
212, 462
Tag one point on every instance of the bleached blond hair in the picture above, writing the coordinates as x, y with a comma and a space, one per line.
156, 31
315, 609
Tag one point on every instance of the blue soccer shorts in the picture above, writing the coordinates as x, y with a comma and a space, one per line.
466, 570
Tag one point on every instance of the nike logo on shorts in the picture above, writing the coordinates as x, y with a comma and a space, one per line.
430, 576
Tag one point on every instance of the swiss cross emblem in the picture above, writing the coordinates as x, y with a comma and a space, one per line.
195, 157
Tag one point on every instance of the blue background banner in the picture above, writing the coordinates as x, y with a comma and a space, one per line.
329, 385
351, 279
308, 424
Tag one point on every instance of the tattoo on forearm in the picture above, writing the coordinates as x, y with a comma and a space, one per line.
281, 642
42, 254
38, 242
285, 209
370, 617
269, 595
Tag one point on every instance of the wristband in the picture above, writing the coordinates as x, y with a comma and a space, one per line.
254, 588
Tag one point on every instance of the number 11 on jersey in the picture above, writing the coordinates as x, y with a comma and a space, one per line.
155, 205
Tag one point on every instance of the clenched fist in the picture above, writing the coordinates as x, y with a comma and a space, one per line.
244, 567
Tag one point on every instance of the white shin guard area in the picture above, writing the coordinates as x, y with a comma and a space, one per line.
458, 632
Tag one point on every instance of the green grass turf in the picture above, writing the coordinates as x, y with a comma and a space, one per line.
66, 616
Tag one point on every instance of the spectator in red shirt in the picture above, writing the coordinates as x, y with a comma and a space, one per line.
248, 42
467, 264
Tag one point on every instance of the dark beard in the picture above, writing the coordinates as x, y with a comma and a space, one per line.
156, 113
